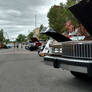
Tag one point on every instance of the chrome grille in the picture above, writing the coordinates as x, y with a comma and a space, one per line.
78, 50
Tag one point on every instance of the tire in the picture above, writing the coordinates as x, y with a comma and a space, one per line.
56, 64
39, 53
32, 48
79, 75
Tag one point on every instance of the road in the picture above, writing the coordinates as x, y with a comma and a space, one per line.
24, 71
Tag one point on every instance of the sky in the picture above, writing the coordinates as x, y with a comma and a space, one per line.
18, 16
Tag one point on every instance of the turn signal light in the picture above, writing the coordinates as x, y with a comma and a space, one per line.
42, 54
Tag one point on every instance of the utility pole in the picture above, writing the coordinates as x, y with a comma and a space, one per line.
7, 35
35, 20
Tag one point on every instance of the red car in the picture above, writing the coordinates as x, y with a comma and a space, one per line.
34, 44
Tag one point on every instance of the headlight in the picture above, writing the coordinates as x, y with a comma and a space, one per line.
42, 54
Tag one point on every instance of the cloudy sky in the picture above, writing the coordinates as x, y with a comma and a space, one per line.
18, 16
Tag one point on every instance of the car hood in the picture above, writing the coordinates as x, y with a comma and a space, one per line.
57, 36
34, 39
82, 11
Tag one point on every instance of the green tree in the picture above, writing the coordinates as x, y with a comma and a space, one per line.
1, 36
41, 27
21, 38
59, 15
6, 40
71, 2
70, 16
30, 35
42, 36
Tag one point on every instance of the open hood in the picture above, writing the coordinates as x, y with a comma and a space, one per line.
34, 39
58, 37
83, 12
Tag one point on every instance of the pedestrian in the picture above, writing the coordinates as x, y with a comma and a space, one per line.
17, 46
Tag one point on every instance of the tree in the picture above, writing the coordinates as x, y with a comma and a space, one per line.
41, 27
71, 17
21, 38
1, 36
59, 15
42, 36
6, 41
30, 35
71, 2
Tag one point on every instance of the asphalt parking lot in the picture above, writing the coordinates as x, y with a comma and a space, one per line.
24, 71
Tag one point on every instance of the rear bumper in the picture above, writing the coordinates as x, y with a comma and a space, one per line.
77, 65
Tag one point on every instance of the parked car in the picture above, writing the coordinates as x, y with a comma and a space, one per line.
9, 45
40, 49
53, 36
34, 44
44, 50
3, 46
26, 47
76, 56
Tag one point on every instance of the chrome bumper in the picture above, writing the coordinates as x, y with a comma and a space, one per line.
74, 68
69, 64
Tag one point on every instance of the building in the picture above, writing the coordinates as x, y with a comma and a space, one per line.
36, 32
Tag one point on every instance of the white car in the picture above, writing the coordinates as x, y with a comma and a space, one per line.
47, 48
